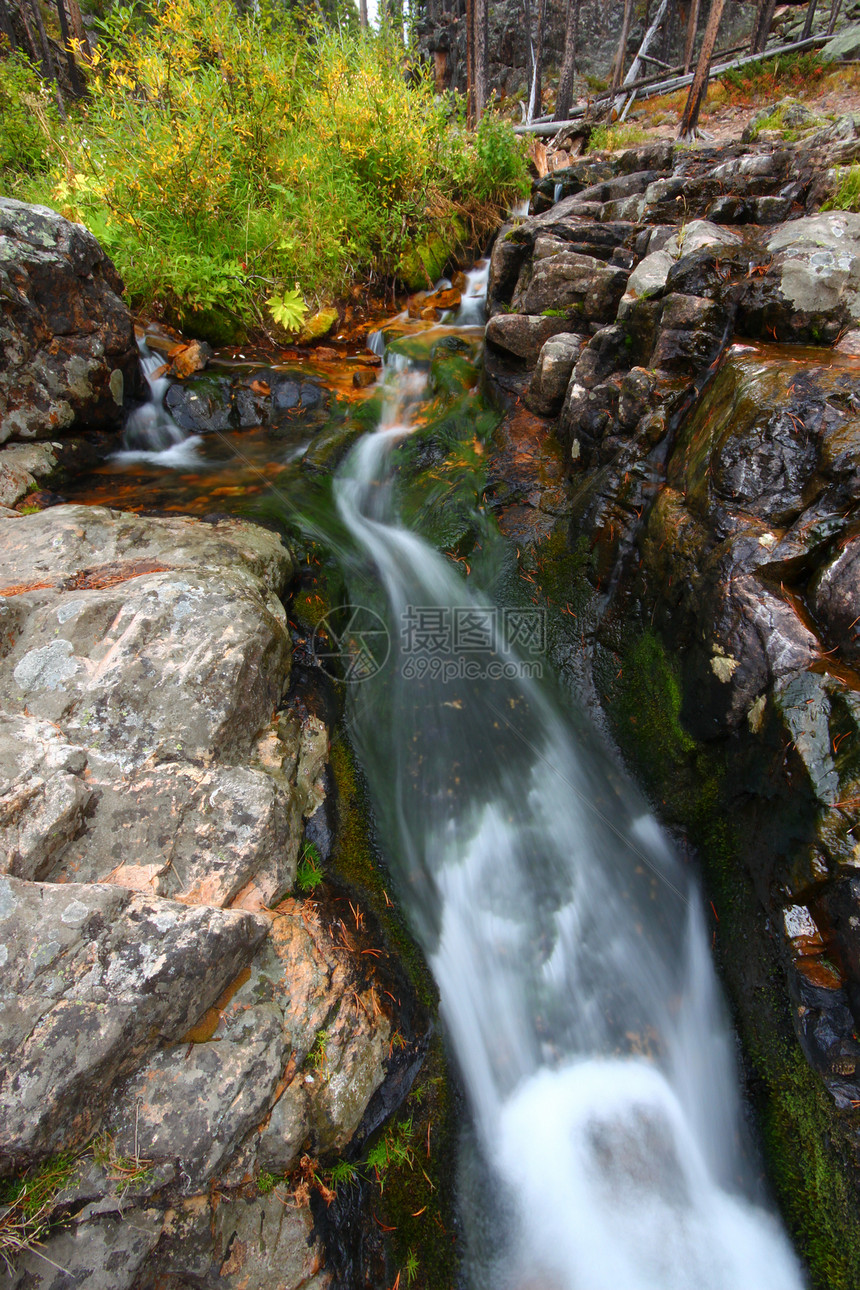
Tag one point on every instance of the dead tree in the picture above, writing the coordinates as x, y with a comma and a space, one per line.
74, 75
480, 11
763, 21
810, 16
834, 14
6, 28
564, 98
692, 28
690, 118
647, 42
536, 92
621, 53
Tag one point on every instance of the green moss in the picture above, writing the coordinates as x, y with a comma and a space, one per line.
808, 1142
28, 1209
419, 1182
424, 261
356, 862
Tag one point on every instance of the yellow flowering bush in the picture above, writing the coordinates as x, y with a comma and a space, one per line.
226, 159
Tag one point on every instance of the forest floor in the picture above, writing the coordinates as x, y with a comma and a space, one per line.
728, 109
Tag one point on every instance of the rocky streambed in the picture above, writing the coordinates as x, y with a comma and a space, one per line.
187, 1030
674, 350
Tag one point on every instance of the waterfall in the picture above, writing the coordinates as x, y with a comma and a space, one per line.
474, 298
150, 433
565, 936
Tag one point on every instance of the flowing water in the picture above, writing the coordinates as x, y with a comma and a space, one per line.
564, 933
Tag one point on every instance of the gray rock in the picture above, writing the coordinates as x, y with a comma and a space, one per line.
812, 287
195, 1103
552, 374
21, 467
137, 662
836, 601
844, 46
103, 1253
66, 335
523, 335
89, 986
567, 280
202, 404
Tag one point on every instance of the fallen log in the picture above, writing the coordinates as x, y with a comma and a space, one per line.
669, 85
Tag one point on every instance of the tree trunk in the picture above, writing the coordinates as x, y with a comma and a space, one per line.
470, 61
45, 59
692, 28
536, 92
810, 15
362, 13
74, 77
690, 119
481, 11
6, 27
834, 14
621, 54
28, 30
74, 12
761, 31
564, 98
647, 42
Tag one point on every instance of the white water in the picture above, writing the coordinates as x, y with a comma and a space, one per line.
472, 303
150, 433
570, 954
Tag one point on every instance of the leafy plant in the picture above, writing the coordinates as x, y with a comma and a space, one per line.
247, 166
317, 1056
288, 310
28, 116
309, 874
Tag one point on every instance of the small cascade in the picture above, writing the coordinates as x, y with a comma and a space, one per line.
472, 311
520, 210
150, 428
556, 192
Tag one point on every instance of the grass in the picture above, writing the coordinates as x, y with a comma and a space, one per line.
846, 196
28, 1209
309, 874
758, 83
243, 170
611, 138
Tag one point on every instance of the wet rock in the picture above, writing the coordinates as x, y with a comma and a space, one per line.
201, 405
552, 374
21, 466
524, 335
692, 333
605, 353
67, 337
89, 986
811, 289
836, 600
587, 418
566, 280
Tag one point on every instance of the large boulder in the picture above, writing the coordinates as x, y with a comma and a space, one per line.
68, 342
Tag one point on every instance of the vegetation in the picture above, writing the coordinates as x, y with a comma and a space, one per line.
758, 83
249, 167
610, 138
309, 874
27, 1207
846, 196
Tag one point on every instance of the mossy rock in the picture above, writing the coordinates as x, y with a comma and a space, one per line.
318, 325
215, 325
423, 262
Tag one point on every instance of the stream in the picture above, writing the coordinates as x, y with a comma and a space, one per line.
608, 1147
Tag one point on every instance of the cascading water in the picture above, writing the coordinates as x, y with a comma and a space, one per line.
150, 432
566, 940
471, 312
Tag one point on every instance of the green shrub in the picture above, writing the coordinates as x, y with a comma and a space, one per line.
228, 160
846, 196
28, 117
